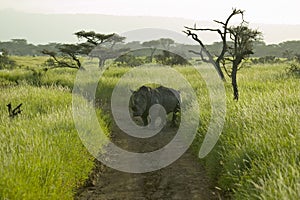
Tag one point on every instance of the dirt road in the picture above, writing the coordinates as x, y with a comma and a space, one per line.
183, 179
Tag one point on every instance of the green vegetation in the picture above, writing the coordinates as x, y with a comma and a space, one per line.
294, 69
42, 156
257, 156
286, 49
5, 61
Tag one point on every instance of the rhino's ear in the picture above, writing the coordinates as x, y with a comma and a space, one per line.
145, 88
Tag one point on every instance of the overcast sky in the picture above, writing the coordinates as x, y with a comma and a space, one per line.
257, 11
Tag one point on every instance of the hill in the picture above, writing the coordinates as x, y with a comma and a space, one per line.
45, 28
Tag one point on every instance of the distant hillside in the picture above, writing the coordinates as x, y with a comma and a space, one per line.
45, 28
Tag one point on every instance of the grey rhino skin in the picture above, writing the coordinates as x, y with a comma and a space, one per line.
142, 99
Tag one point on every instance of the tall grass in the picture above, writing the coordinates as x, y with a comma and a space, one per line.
29, 61
41, 154
256, 157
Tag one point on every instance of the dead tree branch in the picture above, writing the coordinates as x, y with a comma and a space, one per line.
14, 112
223, 34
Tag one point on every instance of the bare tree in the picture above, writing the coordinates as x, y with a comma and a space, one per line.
235, 50
223, 34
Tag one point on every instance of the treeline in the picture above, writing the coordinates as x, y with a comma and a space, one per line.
20, 47
287, 49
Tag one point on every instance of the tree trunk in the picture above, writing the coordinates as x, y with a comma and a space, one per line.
220, 72
101, 62
234, 82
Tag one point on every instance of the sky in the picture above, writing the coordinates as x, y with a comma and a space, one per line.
257, 11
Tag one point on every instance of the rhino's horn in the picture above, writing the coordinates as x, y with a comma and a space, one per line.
145, 88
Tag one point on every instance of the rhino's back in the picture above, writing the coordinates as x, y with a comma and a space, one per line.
169, 98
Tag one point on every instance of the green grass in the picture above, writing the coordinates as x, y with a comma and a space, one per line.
41, 154
29, 61
256, 157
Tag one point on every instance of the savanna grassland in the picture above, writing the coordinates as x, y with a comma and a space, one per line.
42, 156
256, 157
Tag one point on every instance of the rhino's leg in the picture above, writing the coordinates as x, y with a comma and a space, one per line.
173, 123
174, 117
145, 119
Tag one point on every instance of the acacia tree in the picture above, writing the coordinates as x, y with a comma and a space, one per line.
152, 45
68, 55
241, 47
238, 47
95, 44
166, 42
113, 40
108, 49
102, 45
92, 37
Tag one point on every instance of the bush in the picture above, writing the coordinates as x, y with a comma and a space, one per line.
129, 60
297, 58
265, 59
50, 62
169, 58
5, 61
294, 69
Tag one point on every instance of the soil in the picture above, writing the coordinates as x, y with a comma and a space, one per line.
184, 179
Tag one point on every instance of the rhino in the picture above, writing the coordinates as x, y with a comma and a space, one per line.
141, 101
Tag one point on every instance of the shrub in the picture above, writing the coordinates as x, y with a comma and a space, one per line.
5, 61
129, 60
294, 69
169, 58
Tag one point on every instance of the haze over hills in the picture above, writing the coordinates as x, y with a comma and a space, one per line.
46, 28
